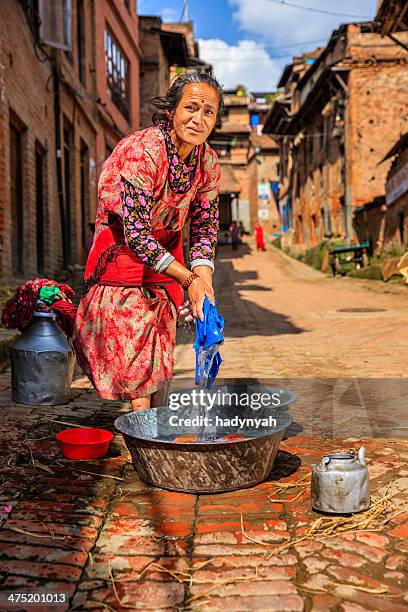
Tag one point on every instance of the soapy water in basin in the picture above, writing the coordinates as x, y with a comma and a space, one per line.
227, 421
190, 438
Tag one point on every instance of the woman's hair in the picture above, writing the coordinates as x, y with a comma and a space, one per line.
168, 103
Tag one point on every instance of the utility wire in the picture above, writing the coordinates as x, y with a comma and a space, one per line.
272, 134
180, 19
249, 57
298, 44
314, 10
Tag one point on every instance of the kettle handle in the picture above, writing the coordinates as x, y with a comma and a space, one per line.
361, 455
325, 462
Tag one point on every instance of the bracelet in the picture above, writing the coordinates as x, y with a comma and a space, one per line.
187, 282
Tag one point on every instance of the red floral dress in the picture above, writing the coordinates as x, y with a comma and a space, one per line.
124, 336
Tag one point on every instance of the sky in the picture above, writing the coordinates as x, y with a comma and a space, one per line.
249, 42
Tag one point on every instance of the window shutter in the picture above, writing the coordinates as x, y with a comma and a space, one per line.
55, 23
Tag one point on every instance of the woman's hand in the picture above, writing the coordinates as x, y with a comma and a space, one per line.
197, 291
199, 288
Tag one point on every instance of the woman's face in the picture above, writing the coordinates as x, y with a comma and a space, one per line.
196, 113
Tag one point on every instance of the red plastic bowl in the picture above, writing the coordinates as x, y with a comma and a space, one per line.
84, 442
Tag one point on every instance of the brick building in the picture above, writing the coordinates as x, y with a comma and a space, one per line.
249, 161
396, 194
231, 142
194, 63
169, 49
117, 65
48, 125
263, 166
335, 125
263, 178
391, 18
275, 122
385, 220
69, 92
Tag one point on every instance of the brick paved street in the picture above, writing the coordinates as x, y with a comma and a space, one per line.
109, 542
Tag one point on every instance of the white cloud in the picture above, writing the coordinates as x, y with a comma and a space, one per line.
169, 15
275, 23
247, 63
276, 27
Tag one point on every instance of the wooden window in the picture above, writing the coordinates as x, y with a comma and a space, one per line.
117, 73
55, 23
16, 200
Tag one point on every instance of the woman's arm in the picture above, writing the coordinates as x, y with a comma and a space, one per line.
203, 233
204, 225
137, 206
204, 222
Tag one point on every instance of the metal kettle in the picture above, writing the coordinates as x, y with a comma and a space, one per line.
340, 483
42, 363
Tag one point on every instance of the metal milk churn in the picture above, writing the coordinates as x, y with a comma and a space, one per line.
42, 363
340, 483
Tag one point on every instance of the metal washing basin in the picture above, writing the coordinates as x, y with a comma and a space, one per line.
210, 464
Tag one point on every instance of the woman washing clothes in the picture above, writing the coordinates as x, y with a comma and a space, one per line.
155, 181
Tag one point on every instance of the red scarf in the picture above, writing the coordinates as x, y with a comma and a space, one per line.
111, 262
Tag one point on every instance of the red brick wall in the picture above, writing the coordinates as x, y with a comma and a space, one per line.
318, 183
23, 81
377, 117
26, 94
344, 171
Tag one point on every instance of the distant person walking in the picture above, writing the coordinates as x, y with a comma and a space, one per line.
259, 237
234, 234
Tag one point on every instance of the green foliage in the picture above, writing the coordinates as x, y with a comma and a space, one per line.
372, 272
394, 250
314, 256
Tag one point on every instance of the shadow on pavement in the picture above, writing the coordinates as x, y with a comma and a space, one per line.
226, 251
242, 317
285, 465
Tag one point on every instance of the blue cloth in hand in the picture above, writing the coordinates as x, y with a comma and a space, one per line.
209, 337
